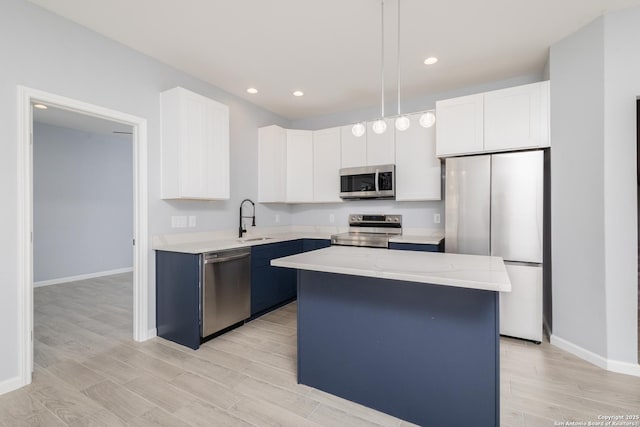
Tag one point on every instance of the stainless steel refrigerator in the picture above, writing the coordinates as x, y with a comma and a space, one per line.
494, 206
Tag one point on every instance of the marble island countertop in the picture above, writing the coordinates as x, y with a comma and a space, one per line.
196, 243
465, 271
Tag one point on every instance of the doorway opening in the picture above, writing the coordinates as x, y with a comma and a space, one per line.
82, 235
27, 97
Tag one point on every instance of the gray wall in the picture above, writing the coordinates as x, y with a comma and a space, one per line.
82, 202
622, 88
43, 51
577, 188
595, 75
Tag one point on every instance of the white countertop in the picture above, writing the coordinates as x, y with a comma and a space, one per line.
465, 271
197, 243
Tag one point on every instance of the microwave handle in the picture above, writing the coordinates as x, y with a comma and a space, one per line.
377, 185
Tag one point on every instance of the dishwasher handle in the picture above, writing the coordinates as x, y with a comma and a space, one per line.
226, 258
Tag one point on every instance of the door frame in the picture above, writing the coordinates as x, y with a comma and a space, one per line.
26, 97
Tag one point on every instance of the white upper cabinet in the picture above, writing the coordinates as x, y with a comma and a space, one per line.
326, 165
460, 125
194, 146
418, 171
285, 165
353, 148
517, 118
299, 172
380, 148
272, 159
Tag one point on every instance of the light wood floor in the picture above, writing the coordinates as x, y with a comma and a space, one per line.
88, 371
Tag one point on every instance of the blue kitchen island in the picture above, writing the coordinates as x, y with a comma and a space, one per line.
412, 334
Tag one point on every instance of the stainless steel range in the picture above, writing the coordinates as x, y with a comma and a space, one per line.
369, 230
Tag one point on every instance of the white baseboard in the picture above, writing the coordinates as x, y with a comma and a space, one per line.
591, 357
11, 384
151, 333
81, 277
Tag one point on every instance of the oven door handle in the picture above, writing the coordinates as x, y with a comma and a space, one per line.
377, 175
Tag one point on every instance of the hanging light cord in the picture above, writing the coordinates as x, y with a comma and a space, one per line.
382, 57
398, 57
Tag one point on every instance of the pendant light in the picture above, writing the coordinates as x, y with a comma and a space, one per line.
427, 119
380, 126
402, 122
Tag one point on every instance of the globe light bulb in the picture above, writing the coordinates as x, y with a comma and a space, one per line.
428, 119
358, 130
403, 123
379, 126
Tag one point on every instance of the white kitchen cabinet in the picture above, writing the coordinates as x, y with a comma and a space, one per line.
380, 148
418, 171
326, 165
353, 149
509, 119
460, 127
285, 165
194, 146
272, 162
517, 117
299, 171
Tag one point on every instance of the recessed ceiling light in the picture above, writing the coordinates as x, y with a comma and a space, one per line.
430, 60
40, 106
252, 90
298, 93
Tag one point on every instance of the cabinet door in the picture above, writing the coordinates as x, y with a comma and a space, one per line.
381, 148
299, 175
195, 146
353, 149
271, 164
459, 127
326, 165
418, 171
217, 133
516, 118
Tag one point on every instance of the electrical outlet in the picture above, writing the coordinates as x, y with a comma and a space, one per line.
192, 221
436, 218
179, 221
277, 218
332, 218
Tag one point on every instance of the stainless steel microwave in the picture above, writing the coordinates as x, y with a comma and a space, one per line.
368, 182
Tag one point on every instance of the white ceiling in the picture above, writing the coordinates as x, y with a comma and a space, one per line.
330, 49
72, 120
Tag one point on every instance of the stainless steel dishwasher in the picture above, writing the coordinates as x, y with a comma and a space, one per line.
226, 290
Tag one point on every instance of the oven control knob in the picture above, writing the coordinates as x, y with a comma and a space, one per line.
388, 219
396, 219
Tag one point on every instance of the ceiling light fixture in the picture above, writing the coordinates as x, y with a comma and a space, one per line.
427, 119
402, 122
40, 106
298, 93
430, 60
358, 129
252, 90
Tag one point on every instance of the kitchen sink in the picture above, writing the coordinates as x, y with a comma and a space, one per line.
255, 239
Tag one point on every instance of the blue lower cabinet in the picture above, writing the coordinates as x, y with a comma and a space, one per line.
178, 297
272, 286
313, 244
417, 247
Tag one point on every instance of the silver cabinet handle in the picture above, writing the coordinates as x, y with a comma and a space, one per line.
377, 175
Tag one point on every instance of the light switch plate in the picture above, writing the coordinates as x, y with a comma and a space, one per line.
192, 221
436, 218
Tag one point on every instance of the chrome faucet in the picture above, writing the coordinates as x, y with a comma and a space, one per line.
242, 229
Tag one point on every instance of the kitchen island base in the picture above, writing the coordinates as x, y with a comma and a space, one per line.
425, 353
